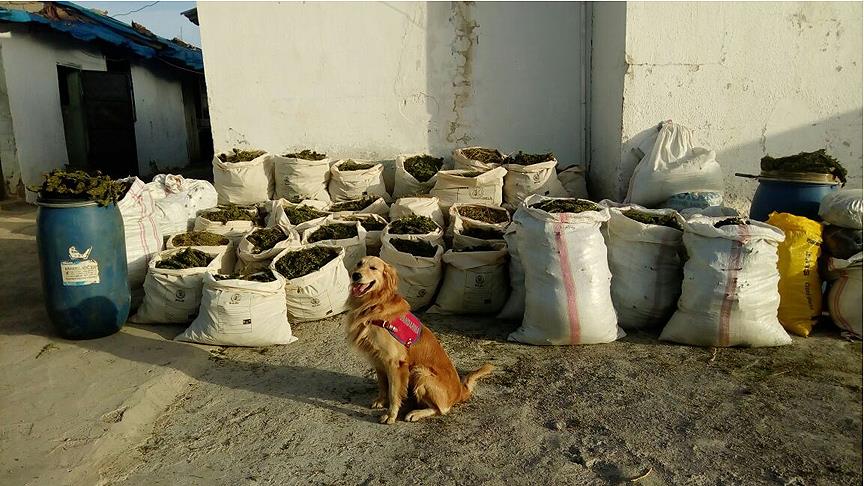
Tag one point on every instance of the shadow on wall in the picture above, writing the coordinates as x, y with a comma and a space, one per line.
840, 135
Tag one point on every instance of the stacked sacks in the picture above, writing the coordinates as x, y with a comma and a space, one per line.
301, 175
476, 224
241, 310
207, 242
415, 174
567, 278
297, 216
414, 228
414, 247
351, 179
372, 224
467, 186
258, 247
529, 174
178, 201
142, 233
229, 220
645, 257
243, 177
348, 235
316, 281
428, 206
729, 295
842, 212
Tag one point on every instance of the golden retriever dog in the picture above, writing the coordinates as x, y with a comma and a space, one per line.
406, 355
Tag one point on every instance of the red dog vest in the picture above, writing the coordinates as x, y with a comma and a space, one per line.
405, 329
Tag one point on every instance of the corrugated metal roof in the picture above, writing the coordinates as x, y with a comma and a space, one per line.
89, 26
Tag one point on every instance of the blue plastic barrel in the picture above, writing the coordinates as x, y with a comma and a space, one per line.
82, 255
794, 197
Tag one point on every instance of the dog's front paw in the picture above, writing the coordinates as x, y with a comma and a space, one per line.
387, 418
380, 403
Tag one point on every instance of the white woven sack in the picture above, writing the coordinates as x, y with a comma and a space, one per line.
522, 181
418, 276
428, 206
173, 296
647, 269
229, 255
373, 237
459, 223
463, 162
240, 313
379, 206
842, 208
452, 187
514, 308
573, 181
355, 247
351, 184
278, 217
435, 237
674, 166
297, 179
729, 296
243, 182
142, 234
474, 282
320, 294
233, 230
405, 184
844, 296
567, 279
249, 261
178, 201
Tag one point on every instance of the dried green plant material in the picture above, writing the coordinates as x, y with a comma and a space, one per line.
486, 155
566, 206
483, 247
77, 184
296, 264
413, 225
185, 258
423, 167
302, 214
414, 247
238, 155
668, 220
306, 154
352, 165
528, 159
333, 231
818, 161
199, 238
354, 204
230, 212
265, 239
731, 222
262, 276
483, 233
484, 213
369, 224
470, 173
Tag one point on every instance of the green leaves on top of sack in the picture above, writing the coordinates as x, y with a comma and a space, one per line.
302, 214
352, 165
77, 184
231, 212
306, 154
265, 239
483, 247
237, 155
484, 214
483, 233
668, 220
818, 161
423, 167
731, 222
414, 247
199, 238
296, 264
368, 223
486, 155
333, 231
413, 225
521, 158
566, 206
185, 258
263, 276
470, 173
354, 204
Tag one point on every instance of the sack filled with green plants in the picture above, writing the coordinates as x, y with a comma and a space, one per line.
258, 247
317, 284
243, 176
415, 228
351, 179
349, 235
415, 174
302, 174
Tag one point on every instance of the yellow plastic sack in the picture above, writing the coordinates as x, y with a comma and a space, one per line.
800, 285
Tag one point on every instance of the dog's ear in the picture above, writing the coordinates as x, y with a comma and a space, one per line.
391, 278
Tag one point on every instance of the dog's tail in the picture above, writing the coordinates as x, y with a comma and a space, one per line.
470, 380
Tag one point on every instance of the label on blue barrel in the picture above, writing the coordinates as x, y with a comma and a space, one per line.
80, 270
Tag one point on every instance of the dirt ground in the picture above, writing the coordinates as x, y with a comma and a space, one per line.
145, 410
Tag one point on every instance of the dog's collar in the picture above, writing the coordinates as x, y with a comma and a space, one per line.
405, 329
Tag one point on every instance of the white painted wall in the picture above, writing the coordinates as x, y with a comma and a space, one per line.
30, 66
160, 124
378, 79
750, 78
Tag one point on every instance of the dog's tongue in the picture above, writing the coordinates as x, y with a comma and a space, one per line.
357, 289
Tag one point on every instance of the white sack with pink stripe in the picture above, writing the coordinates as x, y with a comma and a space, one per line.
730, 292
567, 278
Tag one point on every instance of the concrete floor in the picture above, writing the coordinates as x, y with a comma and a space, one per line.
138, 408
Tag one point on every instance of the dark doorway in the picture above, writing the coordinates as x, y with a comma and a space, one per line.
99, 120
